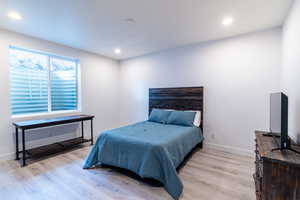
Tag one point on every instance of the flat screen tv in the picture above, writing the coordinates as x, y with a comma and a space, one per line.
279, 118
279, 121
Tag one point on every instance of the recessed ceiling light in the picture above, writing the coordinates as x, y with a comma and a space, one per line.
227, 21
14, 15
117, 51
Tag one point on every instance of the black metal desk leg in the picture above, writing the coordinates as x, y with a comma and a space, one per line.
82, 133
17, 144
92, 135
23, 149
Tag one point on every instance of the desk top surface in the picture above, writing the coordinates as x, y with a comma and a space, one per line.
52, 121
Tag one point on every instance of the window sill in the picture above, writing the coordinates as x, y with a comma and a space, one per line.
41, 115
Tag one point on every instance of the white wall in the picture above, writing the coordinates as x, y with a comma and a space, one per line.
237, 73
290, 81
99, 82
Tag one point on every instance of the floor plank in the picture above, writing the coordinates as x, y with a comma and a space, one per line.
208, 174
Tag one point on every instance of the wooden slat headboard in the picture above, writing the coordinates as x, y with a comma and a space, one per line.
181, 98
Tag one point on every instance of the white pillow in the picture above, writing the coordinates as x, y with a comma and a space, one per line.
197, 119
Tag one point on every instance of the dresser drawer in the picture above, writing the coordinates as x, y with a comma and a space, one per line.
277, 173
257, 156
259, 169
258, 196
258, 183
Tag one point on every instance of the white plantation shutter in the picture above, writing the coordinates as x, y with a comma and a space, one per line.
63, 85
42, 83
29, 83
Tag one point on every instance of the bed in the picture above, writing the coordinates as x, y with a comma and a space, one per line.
151, 149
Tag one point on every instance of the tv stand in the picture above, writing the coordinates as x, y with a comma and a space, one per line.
280, 148
277, 173
288, 148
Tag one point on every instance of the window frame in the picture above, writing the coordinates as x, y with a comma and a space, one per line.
78, 84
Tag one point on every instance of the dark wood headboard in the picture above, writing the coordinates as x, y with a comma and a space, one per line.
181, 98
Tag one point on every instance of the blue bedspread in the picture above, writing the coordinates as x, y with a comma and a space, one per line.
151, 150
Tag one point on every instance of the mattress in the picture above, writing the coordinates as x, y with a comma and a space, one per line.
151, 150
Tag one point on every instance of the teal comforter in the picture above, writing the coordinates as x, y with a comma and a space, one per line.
151, 150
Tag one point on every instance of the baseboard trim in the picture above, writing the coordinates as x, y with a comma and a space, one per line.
7, 156
229, 149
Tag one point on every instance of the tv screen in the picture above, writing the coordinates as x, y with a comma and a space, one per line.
275, 114
279, 117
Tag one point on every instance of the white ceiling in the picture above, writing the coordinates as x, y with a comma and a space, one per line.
99, 26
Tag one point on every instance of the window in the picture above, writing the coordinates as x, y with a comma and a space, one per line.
42, 83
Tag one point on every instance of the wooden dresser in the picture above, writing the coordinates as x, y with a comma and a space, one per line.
277, 174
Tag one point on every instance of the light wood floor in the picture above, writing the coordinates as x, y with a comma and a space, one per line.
208, 175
